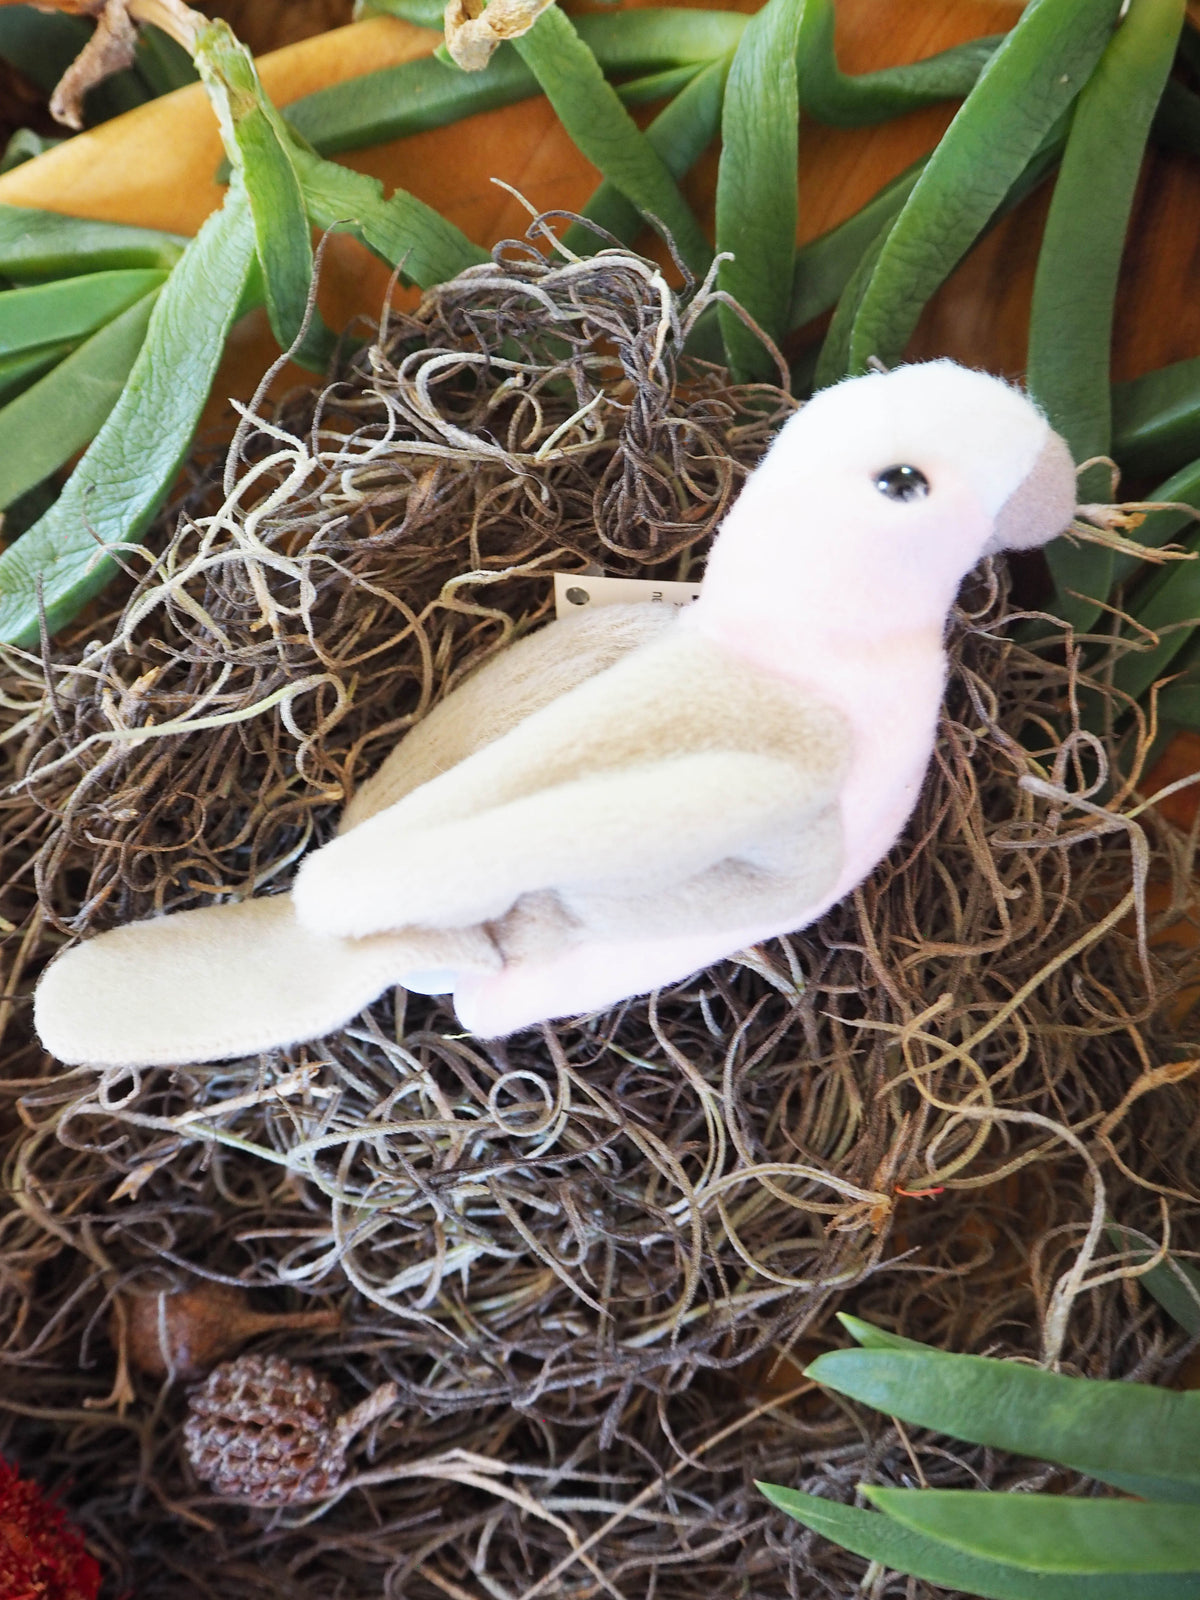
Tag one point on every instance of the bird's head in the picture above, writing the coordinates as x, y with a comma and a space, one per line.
891, 487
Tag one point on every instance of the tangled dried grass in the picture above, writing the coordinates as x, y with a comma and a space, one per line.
591, 1257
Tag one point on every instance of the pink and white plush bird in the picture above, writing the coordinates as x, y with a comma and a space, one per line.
624, 797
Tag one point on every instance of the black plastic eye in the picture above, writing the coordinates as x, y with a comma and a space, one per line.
902, 483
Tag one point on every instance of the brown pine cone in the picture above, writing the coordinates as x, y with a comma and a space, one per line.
265, 1430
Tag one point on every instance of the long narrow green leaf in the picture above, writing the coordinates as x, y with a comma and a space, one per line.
830, 95
402, 230
602, 129
19, 370
657, 85
833, 363
71, 308
870, 1337
36, 245
48, 423
825, 266
410, 98
41, 45
428, 93
422, 13
680, 133
879, 1538
1097, 1427
1173, 1283
257, 140
128, 469
756, 183
1052, 1532
1179, 706
628, 43
1156, 419
1168, 604
1163, 527
1074, 291
1025, 87
24, 145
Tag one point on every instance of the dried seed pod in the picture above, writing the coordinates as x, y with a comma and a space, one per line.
183, 1333
266, 1430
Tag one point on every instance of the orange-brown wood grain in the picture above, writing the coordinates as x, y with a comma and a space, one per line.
156, 167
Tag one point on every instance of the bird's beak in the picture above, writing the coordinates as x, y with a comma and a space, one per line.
1041, 506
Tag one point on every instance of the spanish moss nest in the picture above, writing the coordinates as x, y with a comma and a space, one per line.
593, 1258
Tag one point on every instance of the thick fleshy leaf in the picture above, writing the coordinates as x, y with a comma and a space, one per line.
1156, 419
1074, 291
1026, 86
830, 95
401, 229
680, 133
757, 201
589, 109
1098, 1427
881, 1539
129, 467
38, 245
1052, 1532
55, 417
1173, 1283
72, 308
258, 142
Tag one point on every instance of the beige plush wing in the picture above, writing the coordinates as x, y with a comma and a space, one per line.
511, 686
669, 763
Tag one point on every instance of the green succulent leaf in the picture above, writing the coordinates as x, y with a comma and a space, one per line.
591, 112
1095, 1426
39, 245
756, 183
1052, 1532
1156, 419
832, 96
1173, 1283
1074, 291
881, 1539
50, 421
1027, 84
680, 133
126, 472
71, 308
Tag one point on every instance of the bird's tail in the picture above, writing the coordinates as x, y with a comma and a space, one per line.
228, 980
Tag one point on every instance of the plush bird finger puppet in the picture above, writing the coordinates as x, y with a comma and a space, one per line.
624, 797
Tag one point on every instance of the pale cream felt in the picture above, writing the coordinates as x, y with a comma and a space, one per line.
643, 778
502, 692
235, 979
225, 980
615, 802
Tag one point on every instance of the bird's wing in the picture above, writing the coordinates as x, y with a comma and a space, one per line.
224, 981
507, 689
659, 821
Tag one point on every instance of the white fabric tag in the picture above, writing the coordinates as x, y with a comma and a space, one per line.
574, 591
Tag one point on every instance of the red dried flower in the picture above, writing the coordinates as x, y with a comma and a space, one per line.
41, 1556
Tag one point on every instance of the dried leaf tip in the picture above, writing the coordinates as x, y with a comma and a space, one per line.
113, 45
473, 32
